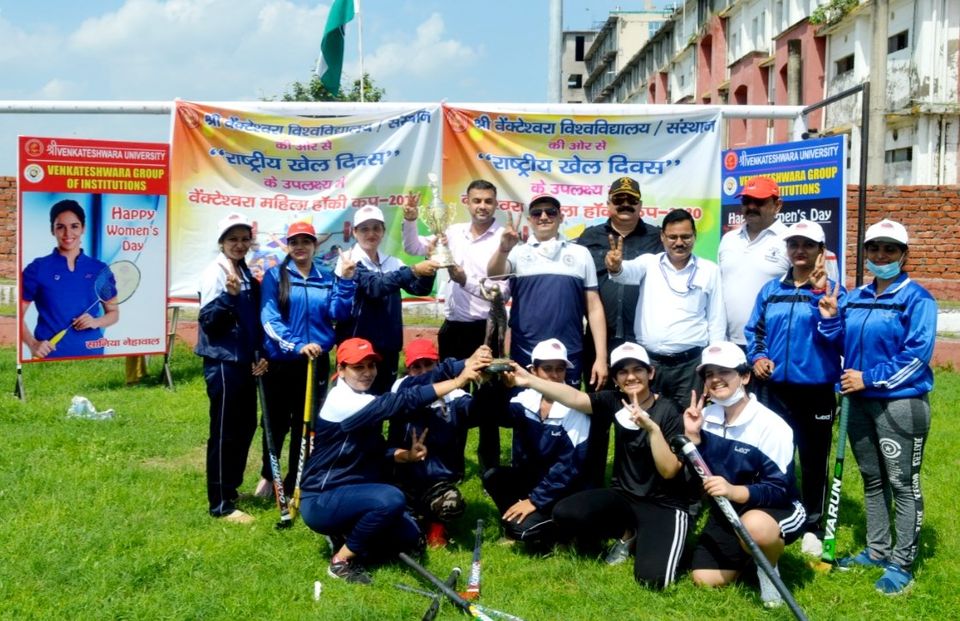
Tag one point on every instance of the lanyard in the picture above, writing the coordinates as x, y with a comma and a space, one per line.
666, 276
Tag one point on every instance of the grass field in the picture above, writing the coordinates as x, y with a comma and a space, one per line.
107, 520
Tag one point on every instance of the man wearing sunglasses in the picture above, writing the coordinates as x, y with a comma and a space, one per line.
753, 254
553, 284
624, 205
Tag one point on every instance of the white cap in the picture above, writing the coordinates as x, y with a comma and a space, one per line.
805, 228
722, 354
629, 351
367, 212
550, 349
227, 223
887, 230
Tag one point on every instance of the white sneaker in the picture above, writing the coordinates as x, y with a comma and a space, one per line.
264, 489
769, 594
811, 546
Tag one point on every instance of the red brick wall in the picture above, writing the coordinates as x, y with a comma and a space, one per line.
930, 213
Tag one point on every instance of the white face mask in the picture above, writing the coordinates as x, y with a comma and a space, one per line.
737, 395
549, 248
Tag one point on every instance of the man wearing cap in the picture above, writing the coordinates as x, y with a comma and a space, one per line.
377, 314
553, 284
549, 449
799, 365
752, 254
431, 485
681, 307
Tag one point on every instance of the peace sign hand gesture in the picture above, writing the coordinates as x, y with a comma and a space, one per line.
233, 279
638, 415
828, 303
410, 210
693, 417
510, 237
348, 266
818, 277
614, 257
418, 450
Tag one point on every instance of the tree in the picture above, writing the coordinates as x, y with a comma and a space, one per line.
314, 90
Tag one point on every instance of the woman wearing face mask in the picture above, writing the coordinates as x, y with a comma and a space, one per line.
377, 315
887, 328
750, 451
344, 496
799, 364
301, 301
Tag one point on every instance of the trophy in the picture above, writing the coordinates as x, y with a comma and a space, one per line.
438, 216
496, 326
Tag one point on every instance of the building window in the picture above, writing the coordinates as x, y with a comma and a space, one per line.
898, 155
579, 42
575, 80
898, 42
845, 64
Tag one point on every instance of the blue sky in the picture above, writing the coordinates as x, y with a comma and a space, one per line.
220, 50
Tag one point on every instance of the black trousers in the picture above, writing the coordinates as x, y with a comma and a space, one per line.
285, 385
507, 485
232, 390
675, 380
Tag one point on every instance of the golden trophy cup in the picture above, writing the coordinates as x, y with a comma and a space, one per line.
438, 216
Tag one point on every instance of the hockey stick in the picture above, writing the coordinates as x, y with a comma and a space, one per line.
473, 582
285, 520
476, 611
434, 608
307, 424
833, 505
683, 446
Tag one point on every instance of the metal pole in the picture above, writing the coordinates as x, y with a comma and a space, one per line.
862, 197
554, 36
356, 10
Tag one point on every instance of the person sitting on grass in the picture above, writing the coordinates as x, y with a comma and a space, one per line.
647, 504
431, 485
343, 493
549, 452
750, 451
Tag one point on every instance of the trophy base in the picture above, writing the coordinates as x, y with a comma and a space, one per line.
499, 365
442, 257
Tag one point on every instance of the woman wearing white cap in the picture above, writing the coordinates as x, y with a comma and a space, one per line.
750, 451
647, 504
377, 315
301, 300
887, 328
229, 337
799, 364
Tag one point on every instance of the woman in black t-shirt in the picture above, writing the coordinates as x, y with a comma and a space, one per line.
646, 506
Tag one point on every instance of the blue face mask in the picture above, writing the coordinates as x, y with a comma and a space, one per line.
886, 272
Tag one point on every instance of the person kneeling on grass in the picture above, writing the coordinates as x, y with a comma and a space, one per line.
750, 451
647, 503
549, 452
343, 495
431, 485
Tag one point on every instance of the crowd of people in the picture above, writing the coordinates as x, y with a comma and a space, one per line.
623, 328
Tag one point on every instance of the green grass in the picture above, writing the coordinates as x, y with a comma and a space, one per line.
107, 520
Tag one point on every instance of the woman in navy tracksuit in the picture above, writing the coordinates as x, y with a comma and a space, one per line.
301, 300
799, 364
888, 329
343, 493
229, 336
377, 314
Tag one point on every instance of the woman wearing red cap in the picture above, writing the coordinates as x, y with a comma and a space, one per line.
229, 336
301, 300
343, 495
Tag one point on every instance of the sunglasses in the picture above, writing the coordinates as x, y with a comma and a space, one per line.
749, 200
625, 200
551, 212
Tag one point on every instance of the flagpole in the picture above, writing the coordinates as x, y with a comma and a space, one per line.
356, 9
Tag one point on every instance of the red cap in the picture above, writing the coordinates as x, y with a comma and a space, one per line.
420, 349
760, 187
354, 350
301, 228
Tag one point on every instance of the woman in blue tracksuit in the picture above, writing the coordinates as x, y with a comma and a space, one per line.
549, 452
750, 451
229, 336
888, 329
799, 365
343, 493
301, 300
377, 314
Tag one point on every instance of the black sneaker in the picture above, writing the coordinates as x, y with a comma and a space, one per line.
349, 571
619, 552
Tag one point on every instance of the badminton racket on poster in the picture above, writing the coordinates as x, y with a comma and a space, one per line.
114, 284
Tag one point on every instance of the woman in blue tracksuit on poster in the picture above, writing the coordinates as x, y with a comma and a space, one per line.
888, 329
377, 314
229, 336
799, 365
301, 300
344, 496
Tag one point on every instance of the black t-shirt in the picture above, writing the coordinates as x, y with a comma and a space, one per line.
634, 471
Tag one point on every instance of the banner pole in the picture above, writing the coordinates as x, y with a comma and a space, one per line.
171, 336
